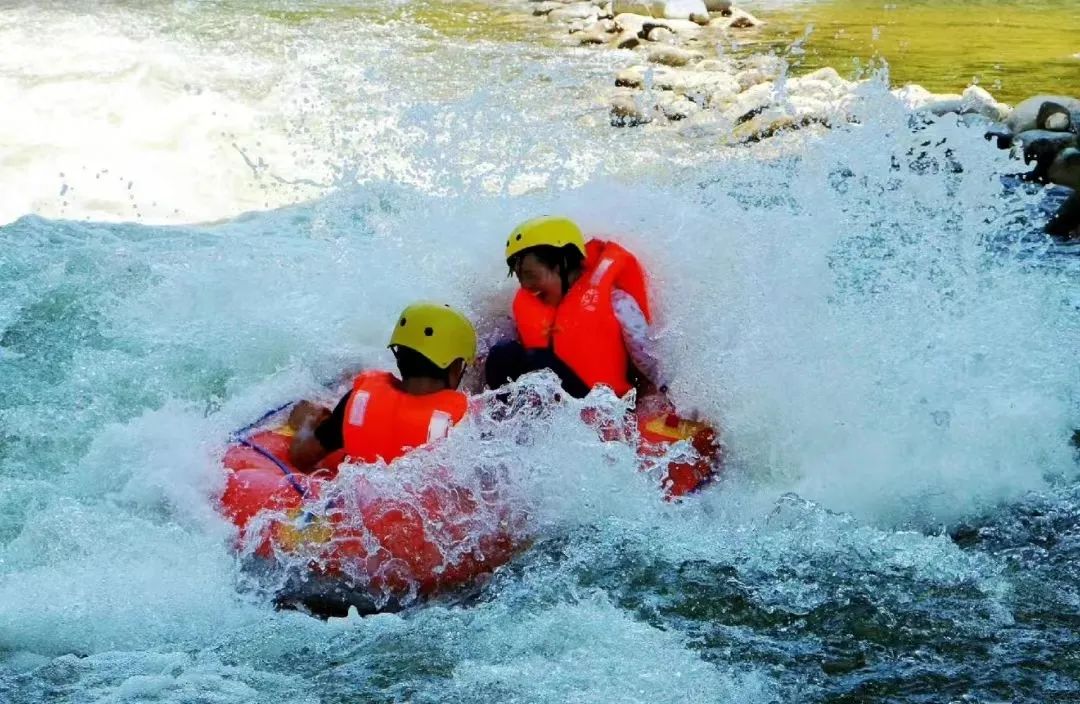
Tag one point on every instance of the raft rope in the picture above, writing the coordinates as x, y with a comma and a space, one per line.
259, 421
238, 436
278, 463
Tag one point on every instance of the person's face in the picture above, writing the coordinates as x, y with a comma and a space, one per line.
539, 280
457, 373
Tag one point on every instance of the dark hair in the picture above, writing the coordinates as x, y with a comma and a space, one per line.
566, 260
412, 364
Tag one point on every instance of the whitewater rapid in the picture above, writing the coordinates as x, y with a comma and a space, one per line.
870, 316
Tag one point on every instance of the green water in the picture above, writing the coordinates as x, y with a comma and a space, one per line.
1013, 49
470, 19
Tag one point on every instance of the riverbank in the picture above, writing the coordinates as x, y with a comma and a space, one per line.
684, 71
682, 68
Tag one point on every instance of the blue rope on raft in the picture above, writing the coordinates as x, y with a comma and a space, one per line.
259, 421
278, 463
238, 436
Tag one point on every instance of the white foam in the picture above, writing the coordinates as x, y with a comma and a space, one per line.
107, 120
843, 319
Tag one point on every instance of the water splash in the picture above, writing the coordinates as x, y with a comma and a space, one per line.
866, 312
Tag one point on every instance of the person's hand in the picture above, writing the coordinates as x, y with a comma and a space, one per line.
306, 414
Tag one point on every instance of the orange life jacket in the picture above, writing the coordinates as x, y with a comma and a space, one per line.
382, 421
582, 330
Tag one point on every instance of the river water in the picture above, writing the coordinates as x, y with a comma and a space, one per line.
212, 207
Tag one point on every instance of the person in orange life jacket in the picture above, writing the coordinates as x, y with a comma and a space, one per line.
383, 417
582, 311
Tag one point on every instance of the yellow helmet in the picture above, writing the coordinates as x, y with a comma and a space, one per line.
436, 331
550, 230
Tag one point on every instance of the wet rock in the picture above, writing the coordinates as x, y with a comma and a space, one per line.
760, 69
773, 120
543, 8
721, 95
751, 102
762, 125
711, 88
685, 27
627, 40
1065, 171
717, 5
943, 104
736, 19
1001, 135
741, 19
829, 75
684, 82
842, 665
964, 535
672, 56
1058, 122
592, 36
660, 34
630, 22
816, 89
811, 108
629, 110
1044, 147
714, 65
601, 28
636, 77
642, 26
669, 9
677, 108
576, 11
978, 101
1025, 115
632, 108
1052, 116
700, 18
974, 101
1066, 224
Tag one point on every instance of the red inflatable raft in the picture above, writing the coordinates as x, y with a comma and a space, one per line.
359, 540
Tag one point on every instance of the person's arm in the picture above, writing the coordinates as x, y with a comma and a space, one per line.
318, 432
638, 338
